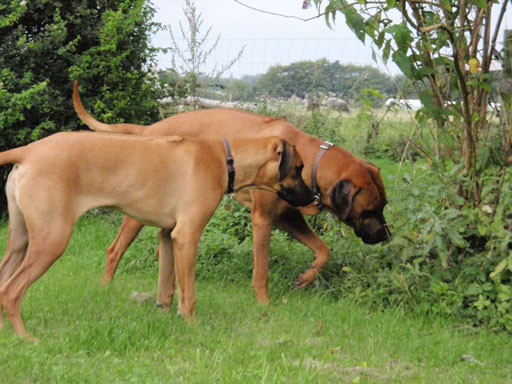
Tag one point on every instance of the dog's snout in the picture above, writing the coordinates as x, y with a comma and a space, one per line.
296, 198
374, 232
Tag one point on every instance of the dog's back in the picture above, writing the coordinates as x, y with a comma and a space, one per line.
89, 169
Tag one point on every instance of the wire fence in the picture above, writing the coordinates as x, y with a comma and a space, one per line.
260, 54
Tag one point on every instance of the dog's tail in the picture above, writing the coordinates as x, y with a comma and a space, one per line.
96, 125
11, 156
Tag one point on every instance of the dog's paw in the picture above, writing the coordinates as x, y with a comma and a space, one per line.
306, 278
33, 340
262, 298
163, 307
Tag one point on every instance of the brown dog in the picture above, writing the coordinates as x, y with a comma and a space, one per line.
347, 186
168, 182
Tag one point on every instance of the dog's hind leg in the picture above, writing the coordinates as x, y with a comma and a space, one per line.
128, 232
46, 244
17, 242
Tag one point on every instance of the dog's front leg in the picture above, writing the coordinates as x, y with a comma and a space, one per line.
265, 208
262, 229
294, 223
185, 241
166, 273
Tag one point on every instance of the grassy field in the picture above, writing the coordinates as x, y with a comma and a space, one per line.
96, 335
91, 334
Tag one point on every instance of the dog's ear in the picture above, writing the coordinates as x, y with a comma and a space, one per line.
285, 152
341, 195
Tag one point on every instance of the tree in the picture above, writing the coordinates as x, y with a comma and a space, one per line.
311, 77
189, 61
117, 71
445, 48
45, 45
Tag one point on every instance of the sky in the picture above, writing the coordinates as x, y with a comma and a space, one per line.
268, 39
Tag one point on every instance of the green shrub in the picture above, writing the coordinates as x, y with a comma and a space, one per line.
444, 258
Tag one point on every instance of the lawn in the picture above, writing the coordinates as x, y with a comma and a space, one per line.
91, 334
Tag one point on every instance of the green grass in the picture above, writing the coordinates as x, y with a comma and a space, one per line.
96, 335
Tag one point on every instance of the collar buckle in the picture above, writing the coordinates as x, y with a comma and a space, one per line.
326, 145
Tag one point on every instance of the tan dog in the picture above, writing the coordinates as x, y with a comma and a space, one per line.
168, 182
349, 187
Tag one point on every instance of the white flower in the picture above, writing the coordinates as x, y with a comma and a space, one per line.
23, 3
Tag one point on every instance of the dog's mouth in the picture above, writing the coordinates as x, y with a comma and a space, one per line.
374, 237
295, 198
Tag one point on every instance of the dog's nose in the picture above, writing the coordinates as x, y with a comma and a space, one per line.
384, 234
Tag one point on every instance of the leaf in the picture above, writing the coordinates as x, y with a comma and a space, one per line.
482, 230
455, 237
450, 112
484, 155
487, 286
355, 22
403, 62
386, 51
380, 39
485, 86
330, 10
402, 35
473, 290
481, 4
424, 71
499, 268
427, 100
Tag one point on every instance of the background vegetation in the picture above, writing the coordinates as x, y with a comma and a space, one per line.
310, 77
46, 45
446, 257
449, 198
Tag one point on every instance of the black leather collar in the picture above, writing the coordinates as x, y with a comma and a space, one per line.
231, 168
324, 147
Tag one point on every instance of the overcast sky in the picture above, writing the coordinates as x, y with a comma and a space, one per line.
268, 39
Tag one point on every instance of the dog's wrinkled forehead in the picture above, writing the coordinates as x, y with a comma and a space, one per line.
372, 189
375, 188
359, 193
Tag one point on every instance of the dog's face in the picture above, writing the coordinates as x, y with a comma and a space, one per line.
286, 171
358, 199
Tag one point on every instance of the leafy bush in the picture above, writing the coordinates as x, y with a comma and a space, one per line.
444, 258
46, 45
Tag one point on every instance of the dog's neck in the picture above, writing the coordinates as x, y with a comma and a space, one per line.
249, 158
